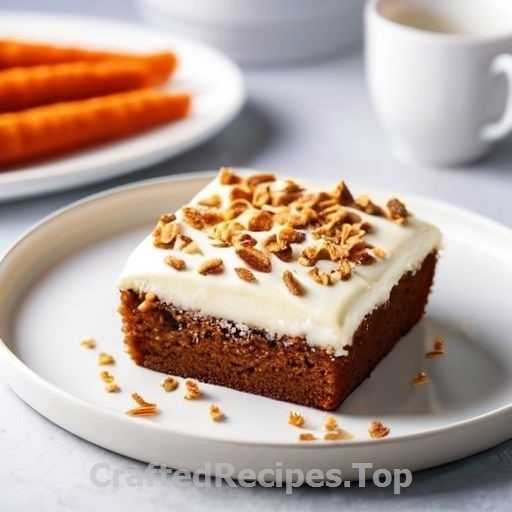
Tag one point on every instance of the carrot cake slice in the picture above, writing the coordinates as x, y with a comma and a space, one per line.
277, 287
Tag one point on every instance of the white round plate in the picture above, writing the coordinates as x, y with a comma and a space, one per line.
57, 286
215, 81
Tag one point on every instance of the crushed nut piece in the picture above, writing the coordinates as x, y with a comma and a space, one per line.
420, 379
175, 263
88, 343
228, 177
338, 434
104, 358
112, 387
192, 248
289, 235
162, 234
141, 400
245, 274
148, 303
213, 266
291, 282
295, 419
144, 408
215, 413
345, 269
320, 277
193, 391
331, 423
342, 194
257, 179
366, 205
213, 201
255, 258
378, 430
438, 350
106, 377
169, 383
261, 221
307, 436
380, 253
397, 211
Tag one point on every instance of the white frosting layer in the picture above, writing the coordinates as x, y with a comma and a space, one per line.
327, 316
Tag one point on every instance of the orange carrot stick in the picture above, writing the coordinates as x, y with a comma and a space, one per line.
23, 54
22, 88
52, 129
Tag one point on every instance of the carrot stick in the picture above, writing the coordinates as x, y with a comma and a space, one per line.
23, 54
53, 129
22, 88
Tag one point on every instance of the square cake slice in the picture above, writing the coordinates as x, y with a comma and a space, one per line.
277, 287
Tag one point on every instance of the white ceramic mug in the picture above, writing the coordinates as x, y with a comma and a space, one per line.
439, 74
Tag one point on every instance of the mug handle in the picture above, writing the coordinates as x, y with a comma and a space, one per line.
502, 64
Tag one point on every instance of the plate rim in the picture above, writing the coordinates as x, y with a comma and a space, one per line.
9, 357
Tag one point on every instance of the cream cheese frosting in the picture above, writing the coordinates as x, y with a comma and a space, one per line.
326, 315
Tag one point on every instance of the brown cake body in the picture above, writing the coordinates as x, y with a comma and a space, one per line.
186, 342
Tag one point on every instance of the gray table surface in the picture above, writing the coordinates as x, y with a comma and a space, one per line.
281, 128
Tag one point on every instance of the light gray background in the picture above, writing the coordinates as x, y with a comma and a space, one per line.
312, 119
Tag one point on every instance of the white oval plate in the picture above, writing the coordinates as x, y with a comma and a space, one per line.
215, 81
57, 286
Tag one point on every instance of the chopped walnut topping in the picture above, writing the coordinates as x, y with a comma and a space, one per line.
104, 359
148, 303
261, 221
256, 179
397, 211
227, 230
244, 240
182, 241
345, 269
241, 192
330, 423
255, 258
106, 377
338, 434
175, 263
307, 436
289, 235
165, 232
320, 277
193, 391
261, 195
213, 201
236, 208
213, 266
309, 256
342, 194
169, 383
420, 379
112, 387
380, 253
215, 413
192, 248
439, 344
201, 219
245, 274
88, 343
291, 282
366, 205
228, 177
295, 419
144, 408
378, 430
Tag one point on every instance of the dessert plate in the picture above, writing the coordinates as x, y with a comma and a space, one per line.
215, 82
57, 287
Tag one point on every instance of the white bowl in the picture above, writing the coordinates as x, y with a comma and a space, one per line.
262, 31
